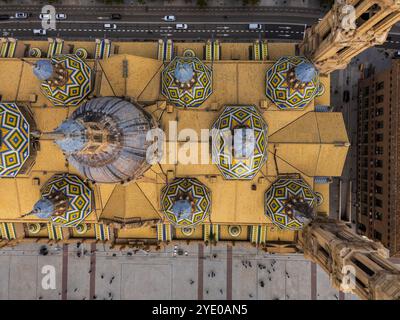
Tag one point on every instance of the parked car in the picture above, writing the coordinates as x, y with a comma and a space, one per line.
61, 16
116, 16
255, 26
169, 18
39, 32
44, 16
181, 26
110, 26
4, 17
21, 15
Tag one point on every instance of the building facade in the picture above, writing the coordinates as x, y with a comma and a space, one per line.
378, 213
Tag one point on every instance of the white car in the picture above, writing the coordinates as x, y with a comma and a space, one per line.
181, 26
21, 15
255, 26
39, 32
110, 26
44, 16
169, 18
61, 16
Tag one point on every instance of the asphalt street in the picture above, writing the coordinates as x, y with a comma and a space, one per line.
145, 23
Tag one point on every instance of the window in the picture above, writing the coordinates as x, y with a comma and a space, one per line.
378, 203
379, 99
378, 176
378, 124
377, 235
379, 112
379, 85
378, 215
366, 103
379, 137
378, 163
362, 227
378, 189
379, 150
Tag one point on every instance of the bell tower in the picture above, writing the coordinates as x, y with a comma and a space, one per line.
355, 264
350, 27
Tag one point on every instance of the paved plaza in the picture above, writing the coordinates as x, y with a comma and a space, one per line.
93, 271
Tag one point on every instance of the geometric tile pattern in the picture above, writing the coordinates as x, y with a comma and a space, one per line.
194, 96
239, 117
164, 232
102, 232
283, 190
80, 198
14, 140
209, 229
196, 190
78, 85
281, 93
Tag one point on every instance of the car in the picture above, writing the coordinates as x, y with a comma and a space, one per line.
116, 16
181, 26
169, 18
44, 16
110, 26
39, 32
4, 17
255, 26
61, 16
21, 15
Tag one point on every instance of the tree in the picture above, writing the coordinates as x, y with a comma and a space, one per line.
202, 3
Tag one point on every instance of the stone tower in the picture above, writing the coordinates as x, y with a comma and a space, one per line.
355, 264
350, 27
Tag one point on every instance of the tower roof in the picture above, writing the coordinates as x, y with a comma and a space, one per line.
183, 72
78, 193
186, 82
14, 139
248, 132
292, 82
78, 84
186, 202
43, 69
105, 139
43, 209
277, 198
73, 138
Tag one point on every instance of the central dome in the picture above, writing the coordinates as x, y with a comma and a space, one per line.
105, 139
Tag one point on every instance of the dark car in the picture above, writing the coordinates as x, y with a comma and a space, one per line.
4, 17
116, 16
